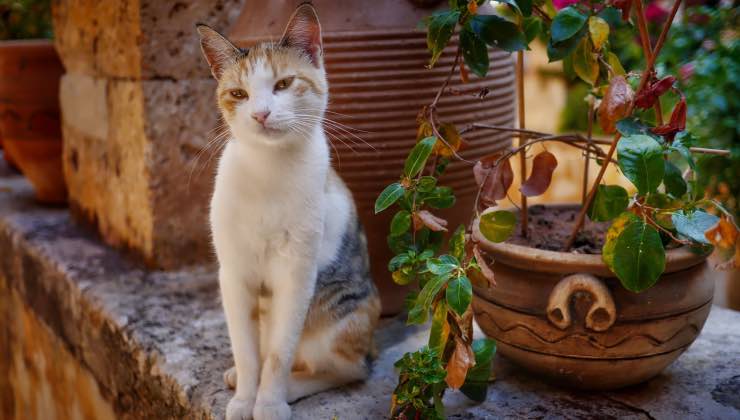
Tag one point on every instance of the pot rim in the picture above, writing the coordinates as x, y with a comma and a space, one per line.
31, 43
545, 261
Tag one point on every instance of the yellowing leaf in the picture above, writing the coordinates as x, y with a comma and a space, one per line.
614, 63
585, 63
599, 31
451, 136
723, 235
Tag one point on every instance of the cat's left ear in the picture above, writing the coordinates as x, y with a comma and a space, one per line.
217, 50
304, 32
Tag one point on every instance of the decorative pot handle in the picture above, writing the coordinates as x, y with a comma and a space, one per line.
602, 313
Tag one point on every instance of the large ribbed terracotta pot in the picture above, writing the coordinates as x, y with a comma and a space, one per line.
376, 60
29, 114
566, 317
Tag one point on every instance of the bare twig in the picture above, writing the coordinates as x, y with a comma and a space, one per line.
587, 160
522, 138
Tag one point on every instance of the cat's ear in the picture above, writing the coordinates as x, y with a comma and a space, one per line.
217, 50
304, 32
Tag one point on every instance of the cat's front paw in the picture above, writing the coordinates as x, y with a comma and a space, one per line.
240, 409
272, 410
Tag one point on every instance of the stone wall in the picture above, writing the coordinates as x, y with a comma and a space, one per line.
137, 111
39, 377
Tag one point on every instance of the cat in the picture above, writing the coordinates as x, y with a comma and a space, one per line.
300, 305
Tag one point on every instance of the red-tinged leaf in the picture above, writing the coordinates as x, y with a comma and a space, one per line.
463, 72
485, 269
473, 7
426, 218
676, 124
460, 362
653, 90
543, 166
615, 104
624, 6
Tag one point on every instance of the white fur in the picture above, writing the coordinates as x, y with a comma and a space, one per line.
275, 221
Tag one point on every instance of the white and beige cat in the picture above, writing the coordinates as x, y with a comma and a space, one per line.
300, 305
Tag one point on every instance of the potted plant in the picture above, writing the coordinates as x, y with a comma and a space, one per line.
29, 106
597, 296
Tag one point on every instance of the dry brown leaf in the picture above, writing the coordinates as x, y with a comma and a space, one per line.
497, 182
463, 73
543, 165
485, 269
461, 360
615, 104
426, 218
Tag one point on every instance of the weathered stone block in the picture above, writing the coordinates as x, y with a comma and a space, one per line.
137, 39
135, 167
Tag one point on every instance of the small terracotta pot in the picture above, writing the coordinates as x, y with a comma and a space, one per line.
29, 114
376, 62
566, 317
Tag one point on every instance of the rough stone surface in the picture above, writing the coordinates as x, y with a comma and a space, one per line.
144, 39
138, 111
156, 342
132, 165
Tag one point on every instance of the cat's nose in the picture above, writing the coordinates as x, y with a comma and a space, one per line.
261, 116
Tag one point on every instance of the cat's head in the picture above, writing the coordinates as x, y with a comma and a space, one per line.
274, 93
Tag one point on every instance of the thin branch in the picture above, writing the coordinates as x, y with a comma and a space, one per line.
522, 139
587, 161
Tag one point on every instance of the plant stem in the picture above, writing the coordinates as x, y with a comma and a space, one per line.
587, 160
522, 138
650, 56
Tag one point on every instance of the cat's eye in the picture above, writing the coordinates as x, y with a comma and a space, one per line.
239, 94
283, 84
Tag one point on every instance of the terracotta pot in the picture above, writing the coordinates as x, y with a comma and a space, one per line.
376, 61
566, 317
29, 114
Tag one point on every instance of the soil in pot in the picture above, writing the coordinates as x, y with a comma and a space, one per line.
549, 228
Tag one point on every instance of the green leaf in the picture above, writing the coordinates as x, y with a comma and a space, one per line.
612, 234
681, 144
584, 62
442, 265
441, 26
475, 52
419, 313
426, 184
440, 198
532, 28
693, 225
639, 257
673, 180
390, 195
641, 160
559, 50
418, 156
438, 333
400, 223
498, 32
459, 294
609, 202
398, 261
457, 243
631, 126
525, 6
497, 226
476, 381
567, 23
599, 31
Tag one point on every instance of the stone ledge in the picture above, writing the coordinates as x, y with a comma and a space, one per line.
156, 341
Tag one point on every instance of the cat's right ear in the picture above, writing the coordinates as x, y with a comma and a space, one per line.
217, 50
